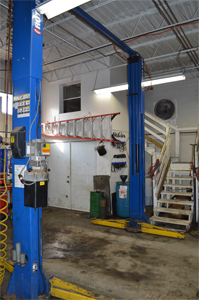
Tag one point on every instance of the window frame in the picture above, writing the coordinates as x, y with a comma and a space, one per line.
62, 100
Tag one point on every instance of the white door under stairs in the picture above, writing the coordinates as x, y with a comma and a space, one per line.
174, 207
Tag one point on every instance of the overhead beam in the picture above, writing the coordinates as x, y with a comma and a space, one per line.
134, 17
95, 25
109, 44
71, 16
45, 73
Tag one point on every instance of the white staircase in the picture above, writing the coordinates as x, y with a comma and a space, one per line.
173, 204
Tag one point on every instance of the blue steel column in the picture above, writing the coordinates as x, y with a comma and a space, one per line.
26, 283
136, 117
136, 110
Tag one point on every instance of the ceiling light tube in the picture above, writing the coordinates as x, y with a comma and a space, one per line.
53, 8
163, 80
124, 86
111, 89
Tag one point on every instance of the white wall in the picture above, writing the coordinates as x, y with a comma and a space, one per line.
184, 94
85, 161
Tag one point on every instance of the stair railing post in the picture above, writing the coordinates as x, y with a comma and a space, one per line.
177, 143
154, 158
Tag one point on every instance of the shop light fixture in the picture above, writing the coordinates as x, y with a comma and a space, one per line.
53, 8
111, 89
123, 87
164, 80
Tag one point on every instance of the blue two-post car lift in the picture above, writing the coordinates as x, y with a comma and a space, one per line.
28, 281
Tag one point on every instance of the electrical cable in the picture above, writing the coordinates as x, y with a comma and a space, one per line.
38, 104
3, 236
40, 267
38, 99
152, 34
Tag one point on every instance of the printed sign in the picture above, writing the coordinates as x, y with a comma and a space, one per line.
22, 104
123, 191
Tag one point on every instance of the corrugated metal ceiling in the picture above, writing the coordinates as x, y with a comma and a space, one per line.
68, 42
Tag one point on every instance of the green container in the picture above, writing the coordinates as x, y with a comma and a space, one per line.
102, 208
95, 204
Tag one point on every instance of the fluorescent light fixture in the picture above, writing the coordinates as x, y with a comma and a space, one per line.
163, 80
123, 87
53, 8
112, 89
3, 97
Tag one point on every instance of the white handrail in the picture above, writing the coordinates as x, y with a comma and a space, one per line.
163, 160
164, 124
154, 134
155, 127
177, 130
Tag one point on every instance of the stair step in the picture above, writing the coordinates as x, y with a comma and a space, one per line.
178, 185
180, 178
173, 211
177, 193
170, 220
180, 166
176, 201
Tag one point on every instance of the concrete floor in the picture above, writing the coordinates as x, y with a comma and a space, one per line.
115, 263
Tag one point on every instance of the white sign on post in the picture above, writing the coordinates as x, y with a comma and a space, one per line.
18, 169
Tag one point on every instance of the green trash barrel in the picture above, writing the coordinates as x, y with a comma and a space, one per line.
95, 204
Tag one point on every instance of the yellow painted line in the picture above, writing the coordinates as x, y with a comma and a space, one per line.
9, 267
120, 225
68, 295
58, 283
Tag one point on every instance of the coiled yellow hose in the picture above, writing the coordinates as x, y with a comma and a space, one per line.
3, 226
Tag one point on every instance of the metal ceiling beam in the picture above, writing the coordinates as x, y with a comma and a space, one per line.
174, 71
70, 44
147, 12
125, 39
71, 16
160, 57
134, 17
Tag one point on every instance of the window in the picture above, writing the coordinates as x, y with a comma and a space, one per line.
3, 98
71, 98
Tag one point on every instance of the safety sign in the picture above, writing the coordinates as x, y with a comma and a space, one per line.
22, 104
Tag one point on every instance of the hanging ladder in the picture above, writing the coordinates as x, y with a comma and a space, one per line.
95, 128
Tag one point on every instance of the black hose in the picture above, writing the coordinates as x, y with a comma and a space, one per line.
40, 267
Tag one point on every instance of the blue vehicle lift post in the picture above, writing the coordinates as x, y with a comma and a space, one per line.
136, 110
27, 282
